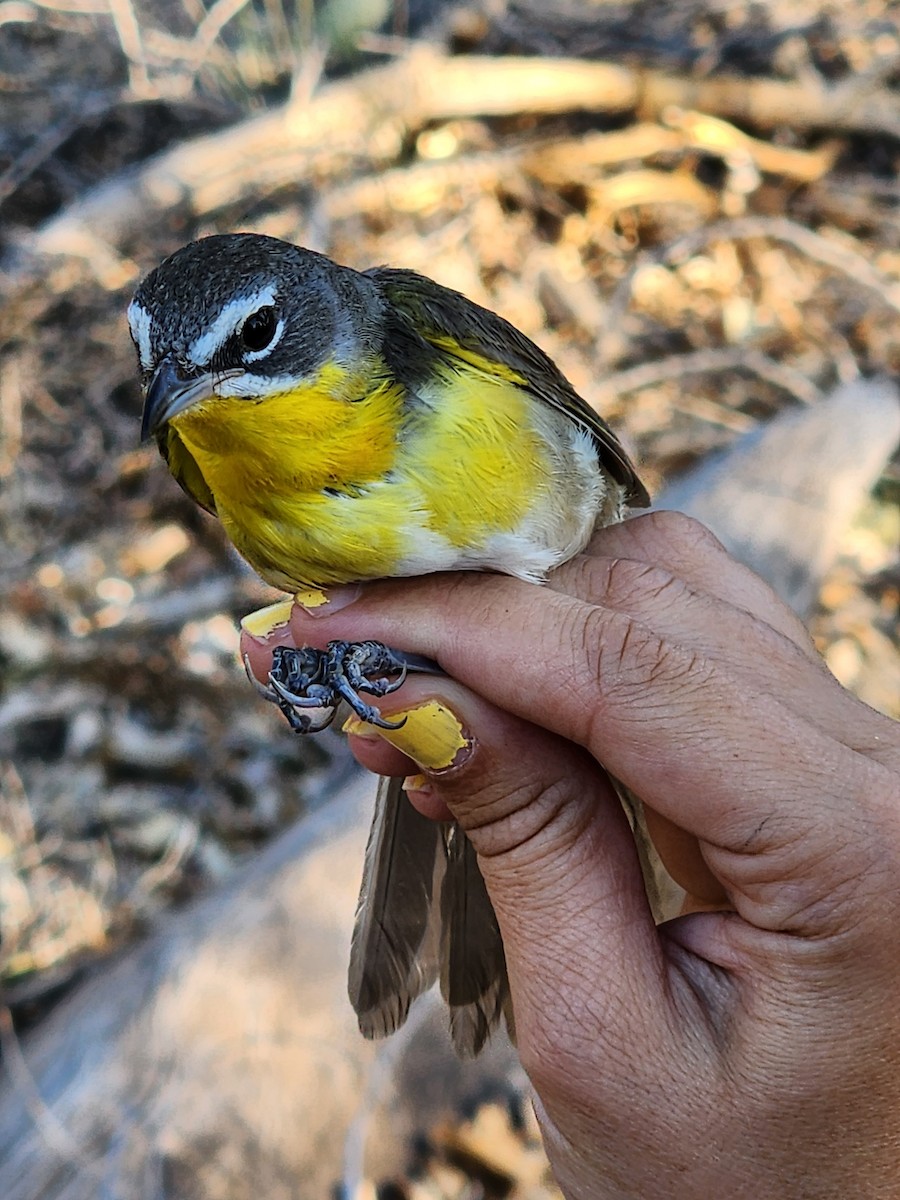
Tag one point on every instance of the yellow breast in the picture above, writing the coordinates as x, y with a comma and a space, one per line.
346, 478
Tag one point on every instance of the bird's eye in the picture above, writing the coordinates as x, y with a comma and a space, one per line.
259, 329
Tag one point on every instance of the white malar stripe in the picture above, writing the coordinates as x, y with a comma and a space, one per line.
229, 321
253, 385
141, 323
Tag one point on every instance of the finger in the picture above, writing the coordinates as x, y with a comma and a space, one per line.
393, 752
375, 754
262, 632
676, 555
685, 549
752, 647
669, 571
556, 853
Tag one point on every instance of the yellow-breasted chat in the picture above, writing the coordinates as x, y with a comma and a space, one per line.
349, 426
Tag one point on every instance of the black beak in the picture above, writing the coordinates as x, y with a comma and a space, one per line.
170, 393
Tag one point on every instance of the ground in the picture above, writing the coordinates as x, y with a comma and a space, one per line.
692, 272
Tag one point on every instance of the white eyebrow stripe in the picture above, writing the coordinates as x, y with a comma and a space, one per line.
229, 320
141, 324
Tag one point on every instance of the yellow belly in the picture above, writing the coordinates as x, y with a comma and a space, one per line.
318, 487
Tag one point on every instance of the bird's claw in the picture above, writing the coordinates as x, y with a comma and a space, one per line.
305, 678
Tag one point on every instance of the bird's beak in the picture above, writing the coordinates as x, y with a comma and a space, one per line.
170, 393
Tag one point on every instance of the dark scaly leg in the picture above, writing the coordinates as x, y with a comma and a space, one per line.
307, 679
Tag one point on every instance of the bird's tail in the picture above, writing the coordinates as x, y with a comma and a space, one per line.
424, 914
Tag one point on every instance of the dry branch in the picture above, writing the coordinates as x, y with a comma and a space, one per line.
850, 263
713, 361
367, 115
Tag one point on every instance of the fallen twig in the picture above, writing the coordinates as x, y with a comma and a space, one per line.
376, 108
849, 262
700, 362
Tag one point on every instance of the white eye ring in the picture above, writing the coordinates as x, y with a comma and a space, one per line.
255, 355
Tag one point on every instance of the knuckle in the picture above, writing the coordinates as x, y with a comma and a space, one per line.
625, 583
528, 818
617, 659
679, 529
671, 528
614, 648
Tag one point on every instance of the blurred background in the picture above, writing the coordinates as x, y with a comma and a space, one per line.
692, 205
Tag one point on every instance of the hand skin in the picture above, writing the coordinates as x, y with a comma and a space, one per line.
745, 1053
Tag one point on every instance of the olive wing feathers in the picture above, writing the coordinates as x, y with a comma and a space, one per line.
419, 308
184, 469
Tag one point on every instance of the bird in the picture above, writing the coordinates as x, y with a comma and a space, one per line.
347, 426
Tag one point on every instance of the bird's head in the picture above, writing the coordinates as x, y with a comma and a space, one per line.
242, 315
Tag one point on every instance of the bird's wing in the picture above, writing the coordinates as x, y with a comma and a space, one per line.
184, 468
422, 311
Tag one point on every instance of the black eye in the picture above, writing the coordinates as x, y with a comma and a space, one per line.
259, 329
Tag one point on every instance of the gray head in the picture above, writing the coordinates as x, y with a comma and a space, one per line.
244, 315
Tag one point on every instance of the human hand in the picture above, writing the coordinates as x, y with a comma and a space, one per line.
745, 1053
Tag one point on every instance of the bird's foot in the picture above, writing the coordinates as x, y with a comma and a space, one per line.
308, 685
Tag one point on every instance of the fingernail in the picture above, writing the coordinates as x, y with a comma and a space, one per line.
320, 603
361, 729
431, 735
416, 783
263, 623
418, 786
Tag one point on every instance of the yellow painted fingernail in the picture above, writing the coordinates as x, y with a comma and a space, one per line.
320, 603
431, 734
361, 729
265, 621
311, 597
